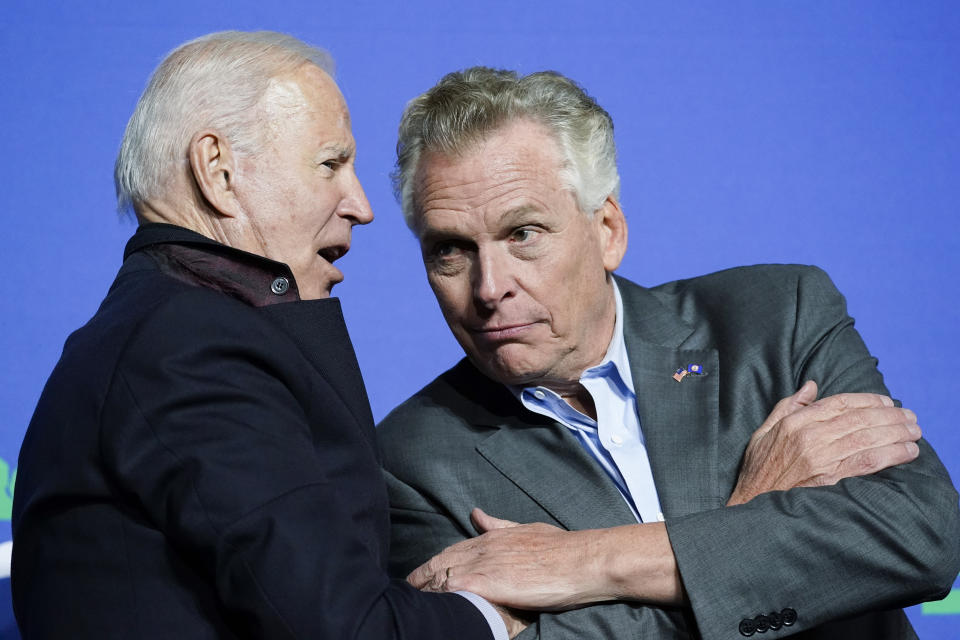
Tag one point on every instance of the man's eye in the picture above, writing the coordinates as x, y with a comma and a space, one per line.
331, 164
524, 234
444, 249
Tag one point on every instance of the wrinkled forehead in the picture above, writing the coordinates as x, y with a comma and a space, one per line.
516, 170
517, 151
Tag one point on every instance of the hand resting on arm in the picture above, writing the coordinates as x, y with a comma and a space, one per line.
803, 443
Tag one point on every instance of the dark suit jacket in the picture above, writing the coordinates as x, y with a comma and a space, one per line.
867, 544
200, 468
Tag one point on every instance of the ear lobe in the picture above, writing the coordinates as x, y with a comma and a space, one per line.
211, 163
613, 233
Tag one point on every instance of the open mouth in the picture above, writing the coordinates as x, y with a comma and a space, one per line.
331, 254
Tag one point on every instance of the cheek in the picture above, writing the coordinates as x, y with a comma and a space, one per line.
570, 287
443, 291
322, 203
553, 281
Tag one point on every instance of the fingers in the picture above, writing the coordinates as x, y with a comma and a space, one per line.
434, 574
845, 413
858, 443
484, 522
852, 450
867, 462
850, 422
804, 396
420, 576
878, 459
851, 432
831, 406
515, 620
431, 575
819, 444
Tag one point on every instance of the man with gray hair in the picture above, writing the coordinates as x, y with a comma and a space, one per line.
624, 420
201, 463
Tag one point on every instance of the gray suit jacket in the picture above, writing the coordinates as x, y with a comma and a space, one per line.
844, 559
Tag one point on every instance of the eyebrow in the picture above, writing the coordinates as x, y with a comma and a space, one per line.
509, 218
518, 212
342, 152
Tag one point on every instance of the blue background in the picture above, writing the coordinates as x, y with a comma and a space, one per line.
763, 131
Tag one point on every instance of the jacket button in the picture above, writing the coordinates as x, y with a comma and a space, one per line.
789, 616
747, 627
761, 623
775, 620
280, 286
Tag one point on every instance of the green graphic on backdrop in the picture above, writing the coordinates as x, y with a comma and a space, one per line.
7, 480
948, 606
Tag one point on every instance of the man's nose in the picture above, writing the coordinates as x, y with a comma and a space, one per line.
492, 280
354, 205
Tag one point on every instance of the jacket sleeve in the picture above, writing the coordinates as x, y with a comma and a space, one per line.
820, 554
868, 543
211, 433
421, 527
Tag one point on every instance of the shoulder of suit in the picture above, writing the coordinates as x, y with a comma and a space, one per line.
456, 393
750, 282
144, 303
774, 275
464, 391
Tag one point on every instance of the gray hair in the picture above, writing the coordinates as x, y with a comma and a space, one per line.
466, 106
214, 81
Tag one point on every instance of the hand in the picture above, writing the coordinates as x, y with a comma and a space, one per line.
438, 581
541, 567
530, 566
516, 621
805, 443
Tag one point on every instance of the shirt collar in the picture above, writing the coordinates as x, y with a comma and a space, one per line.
198, 260
617, 351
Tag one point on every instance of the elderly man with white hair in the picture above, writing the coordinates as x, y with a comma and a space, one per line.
201, 463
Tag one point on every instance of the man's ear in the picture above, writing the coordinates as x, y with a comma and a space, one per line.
214, 171
613, 232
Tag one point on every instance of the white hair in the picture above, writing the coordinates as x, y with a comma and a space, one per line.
467, 106
214, 81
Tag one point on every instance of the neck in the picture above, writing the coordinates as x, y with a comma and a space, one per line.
183, 214
582, 401
572, 391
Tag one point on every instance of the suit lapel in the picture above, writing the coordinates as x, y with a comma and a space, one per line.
540, 456
545, 461
679, 420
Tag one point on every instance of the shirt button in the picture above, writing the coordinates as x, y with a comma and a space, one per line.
280, 285
616, 439
540, 395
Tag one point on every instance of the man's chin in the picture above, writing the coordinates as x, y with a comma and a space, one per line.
505, 371
319, 291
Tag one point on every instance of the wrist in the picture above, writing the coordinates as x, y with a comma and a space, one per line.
639, 565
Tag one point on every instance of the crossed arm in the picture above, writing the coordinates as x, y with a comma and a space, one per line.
802, 443
861, 532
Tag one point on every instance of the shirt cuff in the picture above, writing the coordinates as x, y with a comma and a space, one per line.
497, 626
